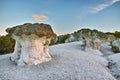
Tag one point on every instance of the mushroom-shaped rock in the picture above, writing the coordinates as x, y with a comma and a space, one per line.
32, 41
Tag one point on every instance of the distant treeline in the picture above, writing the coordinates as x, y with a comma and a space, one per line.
116, 34
7, 43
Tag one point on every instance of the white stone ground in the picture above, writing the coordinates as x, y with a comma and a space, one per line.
115, 59
68, 63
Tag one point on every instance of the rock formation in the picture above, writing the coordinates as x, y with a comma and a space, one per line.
115, 45
97, 43
32, 42
87, 33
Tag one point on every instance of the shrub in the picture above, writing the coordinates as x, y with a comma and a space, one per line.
6, 44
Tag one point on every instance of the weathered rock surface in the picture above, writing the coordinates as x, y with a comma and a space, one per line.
68, 63
28, 29
116, 45
115, 65
32, 41
87, 33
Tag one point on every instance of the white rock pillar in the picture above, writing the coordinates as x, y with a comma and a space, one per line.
97, 44
31, 46
17, 52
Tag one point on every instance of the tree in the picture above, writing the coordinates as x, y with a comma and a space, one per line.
117, 34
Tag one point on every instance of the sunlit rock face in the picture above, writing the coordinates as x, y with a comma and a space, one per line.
32, 41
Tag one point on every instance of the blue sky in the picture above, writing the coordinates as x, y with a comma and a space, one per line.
65, 16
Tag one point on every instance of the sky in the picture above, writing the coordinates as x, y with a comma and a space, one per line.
65, 16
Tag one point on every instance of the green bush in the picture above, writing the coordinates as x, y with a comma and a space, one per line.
64, 37
117, 34
6, 44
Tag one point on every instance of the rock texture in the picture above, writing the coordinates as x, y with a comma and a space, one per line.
116, 45
68, 63
87, 33
97, 43
32, 42
115, 65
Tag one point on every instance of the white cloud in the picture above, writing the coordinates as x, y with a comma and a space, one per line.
39, 17
102, 6
113, 1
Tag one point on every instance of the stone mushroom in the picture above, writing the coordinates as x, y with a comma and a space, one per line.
32, 41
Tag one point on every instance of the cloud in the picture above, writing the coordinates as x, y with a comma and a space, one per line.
39, 17
102, 6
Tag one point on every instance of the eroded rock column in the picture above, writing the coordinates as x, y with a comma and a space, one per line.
32, 41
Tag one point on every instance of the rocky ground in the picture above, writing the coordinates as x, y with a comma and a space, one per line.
68, 62
113, 60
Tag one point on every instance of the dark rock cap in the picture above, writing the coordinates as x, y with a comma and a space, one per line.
28, 29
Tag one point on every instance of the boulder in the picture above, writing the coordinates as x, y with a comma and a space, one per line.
32, 41
116, 45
